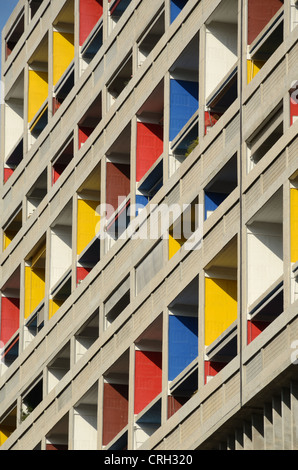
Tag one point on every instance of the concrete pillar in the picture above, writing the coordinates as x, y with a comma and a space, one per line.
133, 166
202, 84
239, 439
50, 72
74, 242
294, 414
231, 443
277, 422
71, 429
287, 268
244, 28
22, 306
287, 18
102, 318
26, 104
130, 434
102, 200
222, 446
201, 331
268, 427
286, 418
100, 412
76, 42
43, 443
166, 130
247, 435
47, 276
167, 13
257, 432
105, 18
165, 366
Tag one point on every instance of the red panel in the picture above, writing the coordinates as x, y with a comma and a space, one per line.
7, 173
8, 51
115, 410
149, 146
90, 13
254, 328
212, 368
117, 184
56, 447
84, 133
10, 309
148, 378
293, 108
174, 404
57, 172
56, 105
259, 14
82, 273
210, 120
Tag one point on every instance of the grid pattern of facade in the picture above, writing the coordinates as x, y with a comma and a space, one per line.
149, 219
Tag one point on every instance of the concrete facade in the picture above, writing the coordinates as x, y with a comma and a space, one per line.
117, 332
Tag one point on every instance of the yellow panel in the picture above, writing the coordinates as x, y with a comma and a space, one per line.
63, 53
8, 237
179, 230
37, 92
174, 246
5, 432
253, 67
294, 225
54, 306
34, 288
88, 221
220, 307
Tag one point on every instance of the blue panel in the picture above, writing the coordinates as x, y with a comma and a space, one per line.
141, 202
120, 6
153, 415
154, 180
213, 200
94, 45
183, 104
183, 343
176, 7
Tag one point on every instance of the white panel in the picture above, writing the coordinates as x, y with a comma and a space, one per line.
142, 433
85, 428
221, 52
265, 253
83, 343
61, 252
14, 124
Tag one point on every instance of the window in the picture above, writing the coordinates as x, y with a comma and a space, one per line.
264, 138
15, 34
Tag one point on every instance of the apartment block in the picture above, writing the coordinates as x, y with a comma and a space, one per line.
149, 225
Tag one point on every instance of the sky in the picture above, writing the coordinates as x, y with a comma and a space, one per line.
6, 8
